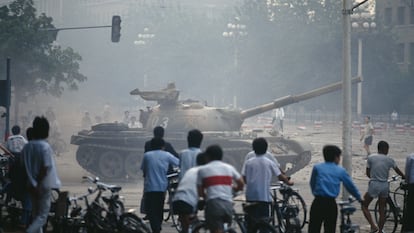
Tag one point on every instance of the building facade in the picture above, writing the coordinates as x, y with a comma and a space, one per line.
399, 14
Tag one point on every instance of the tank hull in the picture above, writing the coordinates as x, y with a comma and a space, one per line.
114, 152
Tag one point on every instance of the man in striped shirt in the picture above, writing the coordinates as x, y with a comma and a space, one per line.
215, 186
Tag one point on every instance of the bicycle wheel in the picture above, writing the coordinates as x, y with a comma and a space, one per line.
293, 225
296, 200
174, 218
391, 218
398, 197
167, 206
130, 223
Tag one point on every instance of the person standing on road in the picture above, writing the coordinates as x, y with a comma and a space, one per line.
189, 155
41, 173
325, 183
215, 186
408, 215
278, 117
155, 166
378, 168
158, 132
257, 173
367, 135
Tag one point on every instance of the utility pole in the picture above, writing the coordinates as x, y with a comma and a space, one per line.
346, 90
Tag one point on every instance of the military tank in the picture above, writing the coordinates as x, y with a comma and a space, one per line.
114, 151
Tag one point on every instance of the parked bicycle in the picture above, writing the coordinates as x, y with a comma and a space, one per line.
288, 211
346, 210
394, 207
104, 214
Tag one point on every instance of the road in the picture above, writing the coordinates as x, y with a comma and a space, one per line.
400, 146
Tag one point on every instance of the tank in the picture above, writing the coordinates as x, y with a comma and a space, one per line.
114, 151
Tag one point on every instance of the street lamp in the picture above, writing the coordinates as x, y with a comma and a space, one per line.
361, 22
235, 31
144, 38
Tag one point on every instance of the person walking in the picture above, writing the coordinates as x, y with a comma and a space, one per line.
155, 166
215, 186
278, 117
41, 173
189, 155
325, 183
378, 168
367, 135
257, 173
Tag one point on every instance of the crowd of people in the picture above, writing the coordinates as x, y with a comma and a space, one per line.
205, 180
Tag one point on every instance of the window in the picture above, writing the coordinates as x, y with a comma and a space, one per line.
400, 53
388, 16
412, 16
412, 53
401, 15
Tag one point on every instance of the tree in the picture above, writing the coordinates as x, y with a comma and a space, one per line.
38, 64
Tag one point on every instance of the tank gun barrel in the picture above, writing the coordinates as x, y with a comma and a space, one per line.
291, 99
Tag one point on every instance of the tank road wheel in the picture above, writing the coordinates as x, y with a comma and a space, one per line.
85, 155
111, 165
132, 165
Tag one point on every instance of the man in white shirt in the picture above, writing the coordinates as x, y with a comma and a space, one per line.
41, 173
16, 142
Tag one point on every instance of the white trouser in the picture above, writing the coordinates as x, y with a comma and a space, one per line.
41, 208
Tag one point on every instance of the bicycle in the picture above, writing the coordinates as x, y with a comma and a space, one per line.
289, 211
168, 209
393, 210
346, 210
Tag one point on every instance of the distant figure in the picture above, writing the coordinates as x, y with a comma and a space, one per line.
408, 215
16, 142
277, 121
126, 118
378, 168
106, 113
189, 155
86, 121
394, 118
367, 135
325, 183
133, 123
41, 173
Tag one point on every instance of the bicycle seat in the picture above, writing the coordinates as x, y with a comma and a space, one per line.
348, 209
114, 188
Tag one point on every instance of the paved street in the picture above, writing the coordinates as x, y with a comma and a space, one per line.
401, 145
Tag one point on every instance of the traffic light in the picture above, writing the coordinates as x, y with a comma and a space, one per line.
116, 28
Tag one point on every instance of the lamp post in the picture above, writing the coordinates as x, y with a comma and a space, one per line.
361, 22
235, 31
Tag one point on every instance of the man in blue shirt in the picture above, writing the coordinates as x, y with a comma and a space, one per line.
188, 156
155, 167
325, 183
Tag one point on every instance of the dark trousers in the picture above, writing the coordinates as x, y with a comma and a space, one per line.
323, 210
408, 215
261, 210
154, 205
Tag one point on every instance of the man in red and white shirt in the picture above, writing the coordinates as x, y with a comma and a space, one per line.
215, 186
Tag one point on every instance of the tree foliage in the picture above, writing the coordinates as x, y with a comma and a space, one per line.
38, 64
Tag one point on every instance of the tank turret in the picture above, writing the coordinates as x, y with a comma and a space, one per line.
114, 151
